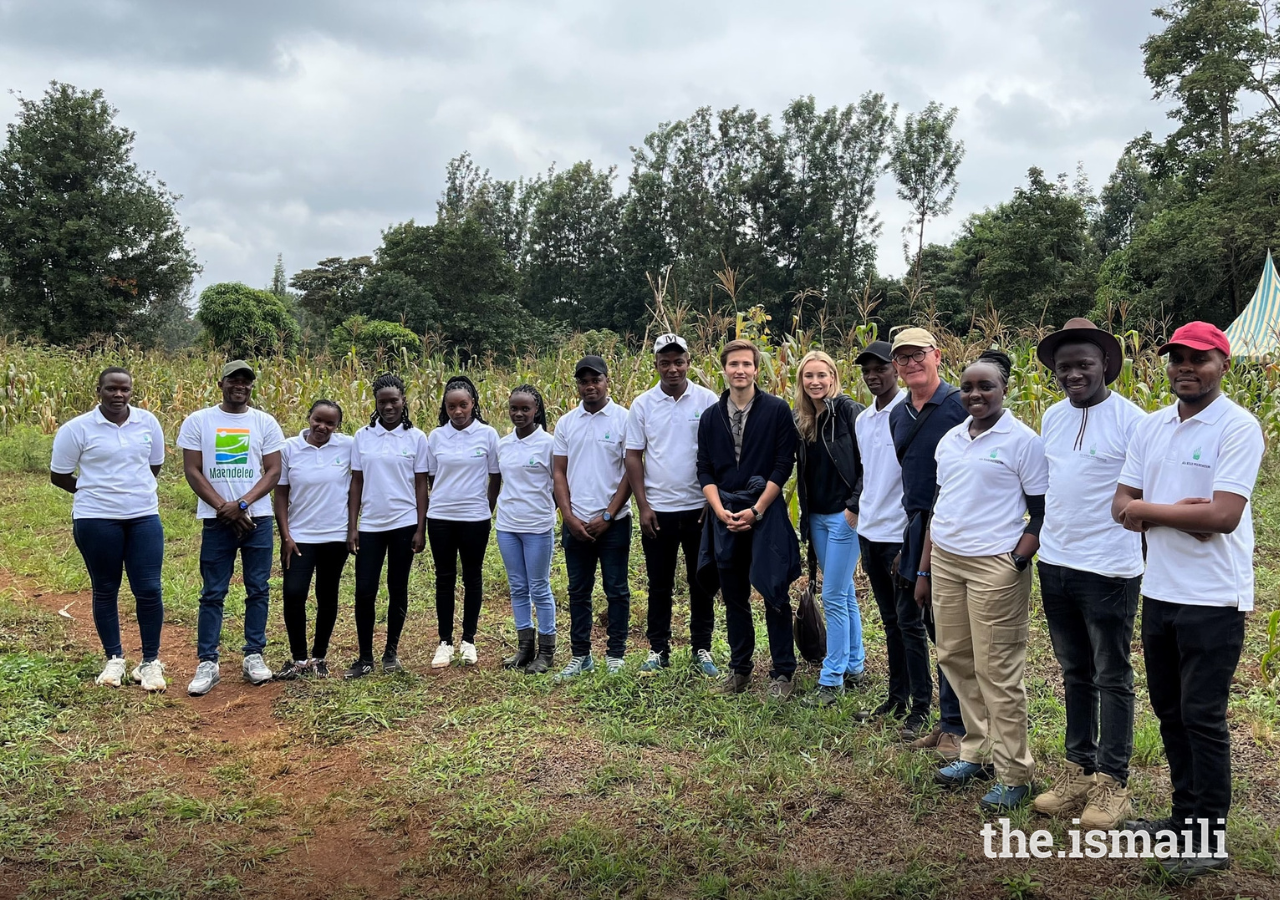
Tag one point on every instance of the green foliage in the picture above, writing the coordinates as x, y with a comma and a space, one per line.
924, 160
246, 322
90, 244
330, 292
375, 340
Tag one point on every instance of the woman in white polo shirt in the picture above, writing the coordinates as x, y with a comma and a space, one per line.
992, 476
117, 450
526, 528
387, 511
311, 513
462, 465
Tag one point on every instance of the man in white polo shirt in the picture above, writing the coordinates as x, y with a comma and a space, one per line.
1187, 479
662, 457
591, 491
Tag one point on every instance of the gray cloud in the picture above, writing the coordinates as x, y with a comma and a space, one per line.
307, 127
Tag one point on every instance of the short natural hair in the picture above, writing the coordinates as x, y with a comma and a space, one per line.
736, 345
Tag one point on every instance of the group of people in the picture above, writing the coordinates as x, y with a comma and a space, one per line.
941, 493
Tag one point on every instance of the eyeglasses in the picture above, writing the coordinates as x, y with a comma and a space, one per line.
902, 359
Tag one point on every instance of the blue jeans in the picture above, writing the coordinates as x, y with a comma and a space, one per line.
527, 558
837, 547
135, 546
218, 546
611, 551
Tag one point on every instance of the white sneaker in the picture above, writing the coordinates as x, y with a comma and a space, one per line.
207, 675
151, 676
255, 669
112, 672
469, 656
444, 656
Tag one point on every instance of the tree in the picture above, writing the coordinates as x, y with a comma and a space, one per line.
1127, 203
245, 321
924, 160
90, 244
331, 291
375, 340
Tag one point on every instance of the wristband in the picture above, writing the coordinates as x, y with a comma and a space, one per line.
928, 575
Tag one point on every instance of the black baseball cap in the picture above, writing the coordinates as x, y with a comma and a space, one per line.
875, 350
592, 362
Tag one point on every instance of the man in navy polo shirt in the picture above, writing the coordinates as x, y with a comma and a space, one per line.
917, 425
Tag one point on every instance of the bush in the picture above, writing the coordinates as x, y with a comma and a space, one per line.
374, 340
246, 322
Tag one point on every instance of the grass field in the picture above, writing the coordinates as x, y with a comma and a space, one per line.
480, 783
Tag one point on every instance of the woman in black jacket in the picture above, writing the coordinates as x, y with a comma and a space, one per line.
830, 482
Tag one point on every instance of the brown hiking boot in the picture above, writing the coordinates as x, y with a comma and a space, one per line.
1108, 804
781, 688
948, 746
736, 683
928, 741
1068, 794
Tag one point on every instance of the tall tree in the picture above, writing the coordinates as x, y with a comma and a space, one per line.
90, 243
331, 291
924, 160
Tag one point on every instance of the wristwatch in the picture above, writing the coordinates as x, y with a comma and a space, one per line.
243, 506
755, 512
607, 516
1021, 562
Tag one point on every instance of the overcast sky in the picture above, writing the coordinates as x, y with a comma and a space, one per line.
305, 127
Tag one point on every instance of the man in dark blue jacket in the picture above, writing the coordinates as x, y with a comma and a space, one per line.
746, 450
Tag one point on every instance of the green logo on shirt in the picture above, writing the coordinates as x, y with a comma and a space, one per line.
606, 436
994, 452
479, 451
1093, 451
533, 462
1195, 454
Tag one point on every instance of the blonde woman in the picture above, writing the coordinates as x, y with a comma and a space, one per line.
829, 481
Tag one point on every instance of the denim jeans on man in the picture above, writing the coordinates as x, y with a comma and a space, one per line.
218, 547
906, 643
611, 550
1191, 654
1090, 620
527, 558
836, 545
677, 532
113, 546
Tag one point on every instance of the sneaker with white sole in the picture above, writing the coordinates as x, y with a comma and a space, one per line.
468, 653
655, 663
444, 656
151, 676
255, 669
207, 675
614, 664
578, 665
113, 672
705, 663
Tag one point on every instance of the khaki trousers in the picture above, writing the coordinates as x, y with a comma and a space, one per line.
980, 608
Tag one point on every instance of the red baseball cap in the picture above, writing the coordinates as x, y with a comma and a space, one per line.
1198, 336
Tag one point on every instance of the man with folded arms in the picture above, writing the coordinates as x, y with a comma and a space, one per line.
1186, 482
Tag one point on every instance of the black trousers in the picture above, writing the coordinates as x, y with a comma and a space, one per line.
451, 541
326, 561
1191, 654
735, 588
906, 641
677, 531
396, 548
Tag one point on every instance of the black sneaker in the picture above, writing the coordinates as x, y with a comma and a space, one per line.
359, 669
825, 695
913, 727
854, 681
391, 665
292, 669
320, 668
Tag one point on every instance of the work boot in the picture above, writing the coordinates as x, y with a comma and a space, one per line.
1108, 804
1068, 795
948, 746
546, 655
927, 741
524, 650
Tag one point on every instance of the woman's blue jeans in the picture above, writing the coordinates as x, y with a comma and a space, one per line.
527, 558
837, 547
113, 546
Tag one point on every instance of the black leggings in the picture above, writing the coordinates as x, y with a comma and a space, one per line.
396, 547
326, 561
449, 541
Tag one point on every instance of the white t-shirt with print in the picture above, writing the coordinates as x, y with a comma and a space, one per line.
983, 483
115, 461
232, 446
666, 429
460, 461
1085, 450
593, 445
1219, 449
318, 479
527, 503
388, 458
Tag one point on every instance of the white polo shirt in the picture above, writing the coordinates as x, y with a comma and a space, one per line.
1219, 449
666, 429
982, 481
881, 517
318, 479
527, 502
389, 459
593, 443
115, 463
460, 461
1079, 532
231, 447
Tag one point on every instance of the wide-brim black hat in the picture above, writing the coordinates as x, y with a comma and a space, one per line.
1076, 330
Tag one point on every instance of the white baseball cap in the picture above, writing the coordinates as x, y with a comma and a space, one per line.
669, 340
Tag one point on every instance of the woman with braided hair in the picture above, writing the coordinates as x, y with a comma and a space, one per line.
992, 478
387, 509
526, 528
462, 469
